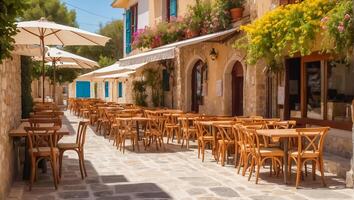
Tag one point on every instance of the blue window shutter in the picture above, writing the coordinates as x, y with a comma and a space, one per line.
173, 8
128, 36
106, 89
83, 89
120, 89
165, 80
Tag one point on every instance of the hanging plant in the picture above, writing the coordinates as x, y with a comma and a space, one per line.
284, 31
337, 28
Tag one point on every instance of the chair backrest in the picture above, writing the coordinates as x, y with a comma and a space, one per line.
201, 129
284, 124
41, 137
252, 140
45, 122
311, 139
225, 132
156, 124
81, 133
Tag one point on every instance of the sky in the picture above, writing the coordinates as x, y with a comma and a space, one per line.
91, 13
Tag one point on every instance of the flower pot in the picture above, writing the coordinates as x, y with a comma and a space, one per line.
236, 13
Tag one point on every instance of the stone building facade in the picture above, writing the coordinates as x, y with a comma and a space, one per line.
10, 115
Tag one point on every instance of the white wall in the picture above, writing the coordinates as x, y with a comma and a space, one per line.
143, 14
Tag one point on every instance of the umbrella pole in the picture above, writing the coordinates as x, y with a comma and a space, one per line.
54, 84
43, 72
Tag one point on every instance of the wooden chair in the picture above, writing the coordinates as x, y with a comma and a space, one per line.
78, 146
41, 145
172, 128
226, 139
244, 148
154, 132
310, 148
260, 154
204, 137
187, 130
126, 131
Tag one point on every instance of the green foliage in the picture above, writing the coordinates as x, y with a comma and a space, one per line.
52, 10
201, 18
10, 10
198, 15
236, 3
113, 50
139, 88
26, 80
284, 31
338, 29
104, 61
153, 79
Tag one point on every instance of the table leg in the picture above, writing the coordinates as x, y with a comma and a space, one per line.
26, 164
285, 160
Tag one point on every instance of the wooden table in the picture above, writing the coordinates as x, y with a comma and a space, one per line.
284, 134
137, 120
20, 132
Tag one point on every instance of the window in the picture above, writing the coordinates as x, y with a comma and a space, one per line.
319, 91
120, 89
171, 9
165, 80
340, 90
131, 26
106, 89
134, 19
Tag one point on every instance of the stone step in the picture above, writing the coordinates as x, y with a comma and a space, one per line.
336, 165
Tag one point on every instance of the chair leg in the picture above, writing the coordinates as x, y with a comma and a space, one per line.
322, 171
80, 165
298, 173
259, 164
61, 154
313, 170
203, 150
54, 173
251, 169
33, 172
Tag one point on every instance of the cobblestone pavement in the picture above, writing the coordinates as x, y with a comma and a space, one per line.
173, 174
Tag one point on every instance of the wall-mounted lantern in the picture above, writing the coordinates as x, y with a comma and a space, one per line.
213, 54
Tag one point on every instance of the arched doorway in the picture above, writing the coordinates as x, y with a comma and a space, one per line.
237, 89
198, 75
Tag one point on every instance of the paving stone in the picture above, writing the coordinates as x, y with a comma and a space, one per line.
114, 179
264, 197
140, 187
324, 194
224, 192
196, 191
74, 187
114, 198
153, 195
104, 193
74, 194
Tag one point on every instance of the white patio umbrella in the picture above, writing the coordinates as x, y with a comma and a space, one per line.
70, 65
58, 57
43, 32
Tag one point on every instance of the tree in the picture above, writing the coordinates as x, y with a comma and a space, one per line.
111, 52
52, 10
10, 10
56, 11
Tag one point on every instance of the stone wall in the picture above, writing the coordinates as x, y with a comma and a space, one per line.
10, 115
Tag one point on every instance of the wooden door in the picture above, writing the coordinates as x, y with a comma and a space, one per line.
237, 89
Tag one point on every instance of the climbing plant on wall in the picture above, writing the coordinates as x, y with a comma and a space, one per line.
26, 80
139, 92
285, 31
153, 80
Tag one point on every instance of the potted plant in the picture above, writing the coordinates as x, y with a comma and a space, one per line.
236, 9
